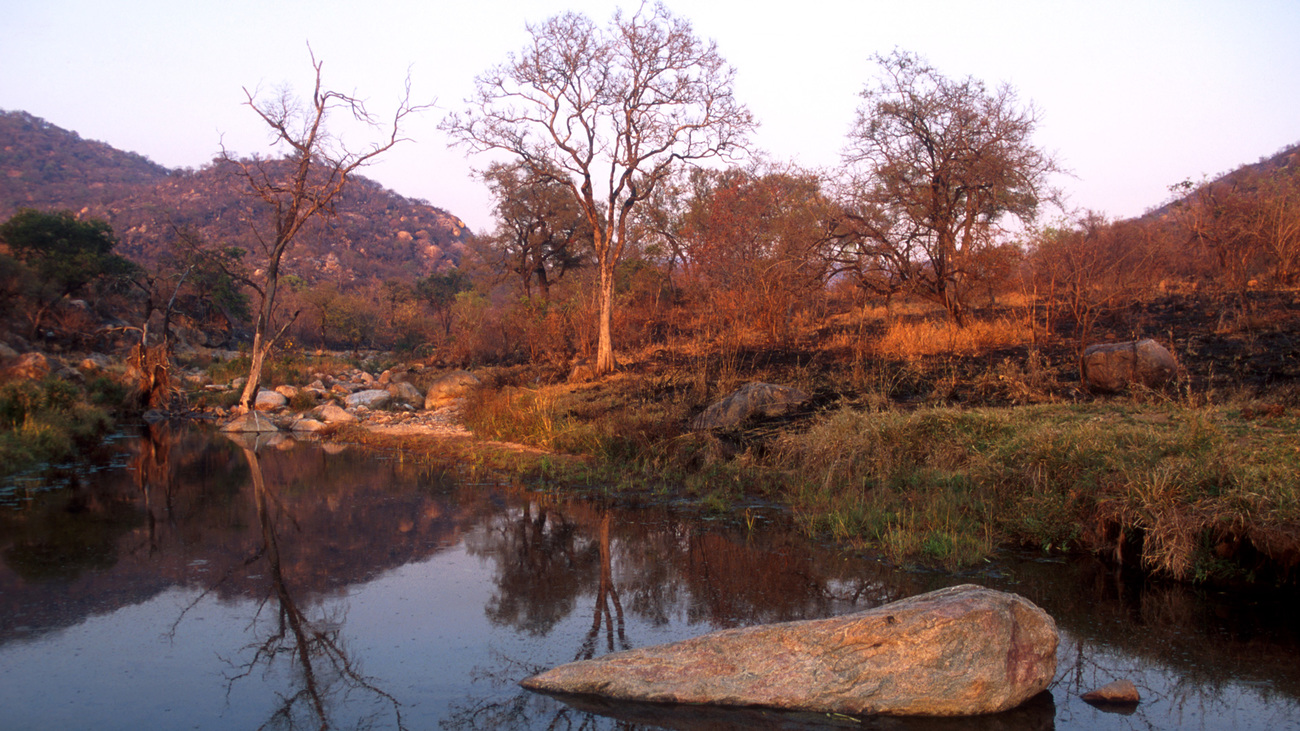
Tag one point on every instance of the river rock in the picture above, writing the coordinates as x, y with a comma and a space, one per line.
960, 651
405, 393
269, 401
333, 414
371, 398
1121, 692
751, 400
450, 386
1113, 366
309, 425
253, 422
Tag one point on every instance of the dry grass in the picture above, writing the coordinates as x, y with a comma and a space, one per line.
914, 340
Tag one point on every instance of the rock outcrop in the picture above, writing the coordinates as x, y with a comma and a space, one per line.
754, 399
1113, 366
964, 650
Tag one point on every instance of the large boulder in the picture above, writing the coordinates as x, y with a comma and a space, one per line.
751, 400
960, 651
1113, 366
449, 387
371, 398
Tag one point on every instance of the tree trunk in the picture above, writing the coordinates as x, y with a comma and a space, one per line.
254, 370
605, 362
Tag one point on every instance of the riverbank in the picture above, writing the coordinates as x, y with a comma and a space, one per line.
1198, 492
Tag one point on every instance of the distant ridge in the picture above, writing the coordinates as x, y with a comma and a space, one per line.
1287, 157
377, 234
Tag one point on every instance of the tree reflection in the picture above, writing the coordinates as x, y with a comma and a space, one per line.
324, 671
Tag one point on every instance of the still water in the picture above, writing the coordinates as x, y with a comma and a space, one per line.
181, 580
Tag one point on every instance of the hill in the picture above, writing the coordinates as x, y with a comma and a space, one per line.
377, 234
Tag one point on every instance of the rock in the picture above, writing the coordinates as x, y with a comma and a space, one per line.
288, 392
406, 394
6, 352
333, 414
960, 651
1036, 714
582, 373
253, 423
1112, 366
30, 366
751, 400
448, 387
95, 363
372, 398
310, 425
269, 401
1120, 692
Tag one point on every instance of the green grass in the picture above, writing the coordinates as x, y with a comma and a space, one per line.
951, 485
48, 420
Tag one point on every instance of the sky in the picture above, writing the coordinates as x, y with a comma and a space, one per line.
1133, 95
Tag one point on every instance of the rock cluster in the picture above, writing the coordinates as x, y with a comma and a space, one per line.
384, 400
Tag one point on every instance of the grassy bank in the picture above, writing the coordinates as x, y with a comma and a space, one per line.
50, 420
1196, 492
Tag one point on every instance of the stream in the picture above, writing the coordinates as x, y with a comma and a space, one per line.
178, 579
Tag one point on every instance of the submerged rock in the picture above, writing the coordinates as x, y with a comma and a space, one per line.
1120, 692
964, 650
751, 400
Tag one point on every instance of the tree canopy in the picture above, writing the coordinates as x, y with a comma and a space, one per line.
940, 166
609, 113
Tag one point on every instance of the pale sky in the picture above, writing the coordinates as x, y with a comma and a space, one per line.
1134, 95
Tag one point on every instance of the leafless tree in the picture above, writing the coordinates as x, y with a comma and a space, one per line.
940, 167
609, 112
300, 186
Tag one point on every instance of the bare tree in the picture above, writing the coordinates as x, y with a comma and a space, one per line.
942, 165
609, 113
302, 185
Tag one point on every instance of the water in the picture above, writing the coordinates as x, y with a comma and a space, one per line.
181, 581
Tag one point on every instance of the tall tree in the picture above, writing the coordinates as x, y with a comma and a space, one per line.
942, 164
608, 112
301, 186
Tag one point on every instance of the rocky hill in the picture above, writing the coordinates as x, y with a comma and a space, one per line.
377, 234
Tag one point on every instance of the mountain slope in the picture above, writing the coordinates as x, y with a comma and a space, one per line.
376, 234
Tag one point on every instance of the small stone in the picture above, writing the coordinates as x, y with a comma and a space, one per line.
1118, 692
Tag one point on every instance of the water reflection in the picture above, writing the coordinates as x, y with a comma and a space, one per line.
314, 645
355, 591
